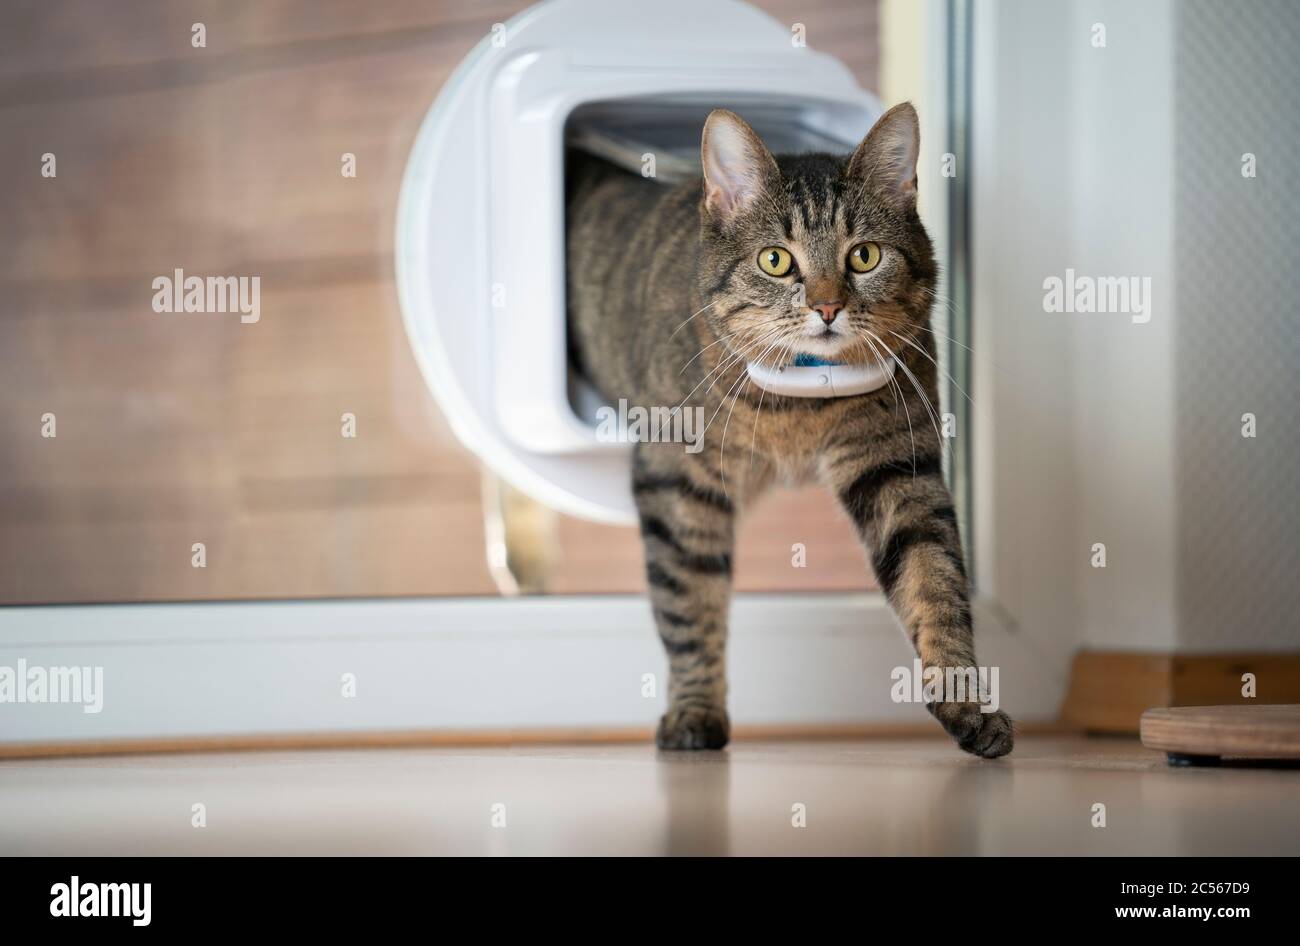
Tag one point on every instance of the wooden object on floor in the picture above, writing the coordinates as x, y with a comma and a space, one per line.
1109, 691
1195, 734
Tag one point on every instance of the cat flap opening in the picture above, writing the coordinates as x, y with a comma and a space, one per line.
480, 229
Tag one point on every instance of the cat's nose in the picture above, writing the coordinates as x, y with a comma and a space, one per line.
828, 310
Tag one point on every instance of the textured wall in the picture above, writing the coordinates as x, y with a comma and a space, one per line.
1238, 324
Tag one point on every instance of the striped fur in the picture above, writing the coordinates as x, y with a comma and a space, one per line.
666, 302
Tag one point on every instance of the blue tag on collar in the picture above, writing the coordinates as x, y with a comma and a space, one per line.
812, 361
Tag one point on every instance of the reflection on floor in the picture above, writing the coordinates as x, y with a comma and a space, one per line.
865, 797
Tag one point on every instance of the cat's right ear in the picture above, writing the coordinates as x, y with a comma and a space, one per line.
886, 159
737, 166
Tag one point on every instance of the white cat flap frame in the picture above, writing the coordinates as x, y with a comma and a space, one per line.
480, 225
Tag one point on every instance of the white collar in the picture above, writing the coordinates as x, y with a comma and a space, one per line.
813, 377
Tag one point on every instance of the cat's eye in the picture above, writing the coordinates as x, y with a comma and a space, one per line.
864, 257
775, 261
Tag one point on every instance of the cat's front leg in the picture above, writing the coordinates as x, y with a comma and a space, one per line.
687, 527
905, 516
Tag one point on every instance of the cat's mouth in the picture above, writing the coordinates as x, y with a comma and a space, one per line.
824, 342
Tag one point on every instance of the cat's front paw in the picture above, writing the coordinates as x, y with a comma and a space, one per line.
693, 727
983, 734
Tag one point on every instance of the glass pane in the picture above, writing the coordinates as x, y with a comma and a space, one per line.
173, 430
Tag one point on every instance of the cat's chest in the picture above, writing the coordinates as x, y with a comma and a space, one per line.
793, 439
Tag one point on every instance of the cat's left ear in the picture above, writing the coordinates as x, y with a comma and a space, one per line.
886, 159
738, 168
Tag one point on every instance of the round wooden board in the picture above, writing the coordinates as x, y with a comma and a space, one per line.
1230, 732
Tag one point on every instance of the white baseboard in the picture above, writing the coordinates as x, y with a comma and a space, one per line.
259, 668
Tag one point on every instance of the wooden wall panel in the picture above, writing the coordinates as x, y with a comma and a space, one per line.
175, 429
1110, 690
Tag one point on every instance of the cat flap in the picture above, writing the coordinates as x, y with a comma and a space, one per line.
630, 154
660, 138
487, 175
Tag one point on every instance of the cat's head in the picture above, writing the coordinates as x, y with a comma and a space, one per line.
814, 254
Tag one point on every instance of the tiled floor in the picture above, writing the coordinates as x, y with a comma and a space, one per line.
863, 797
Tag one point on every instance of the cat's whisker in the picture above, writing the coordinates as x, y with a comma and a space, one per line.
936, 333
786, 344
716, 372
743, 374
882, 362
930, 407
683, 325
786, 348
936, 364
722, 450
903, 365
924, 328
908, 340
909, 326
872, 339
717, 341
925, 399
753, 434
773, 333
718, 369
741, 354
723, 339
941, 299
723, 402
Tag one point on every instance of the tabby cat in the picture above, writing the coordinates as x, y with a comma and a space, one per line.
673, 289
